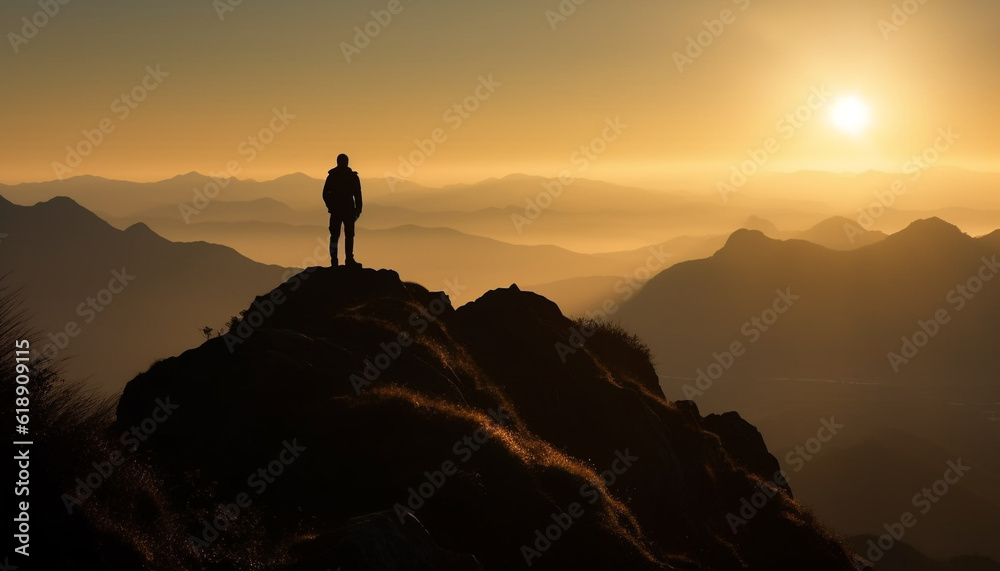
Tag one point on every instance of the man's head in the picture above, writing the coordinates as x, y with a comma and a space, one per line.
342, 160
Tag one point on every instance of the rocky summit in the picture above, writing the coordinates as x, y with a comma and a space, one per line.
351, 420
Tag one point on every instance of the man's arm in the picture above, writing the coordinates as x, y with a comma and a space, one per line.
327, 193
357, 198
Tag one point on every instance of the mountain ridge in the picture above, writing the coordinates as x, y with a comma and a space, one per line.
367, 358
62, 255
891, 283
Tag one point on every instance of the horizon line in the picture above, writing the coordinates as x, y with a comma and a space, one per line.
845, 173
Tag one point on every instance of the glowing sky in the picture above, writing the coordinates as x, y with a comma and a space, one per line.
551, 91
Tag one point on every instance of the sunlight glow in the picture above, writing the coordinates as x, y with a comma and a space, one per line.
851, 115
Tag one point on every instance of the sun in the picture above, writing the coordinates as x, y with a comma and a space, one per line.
851, 115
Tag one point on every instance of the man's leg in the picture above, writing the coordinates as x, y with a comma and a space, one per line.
334, 238
349, 239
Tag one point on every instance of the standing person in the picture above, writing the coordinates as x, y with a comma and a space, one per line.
342, 195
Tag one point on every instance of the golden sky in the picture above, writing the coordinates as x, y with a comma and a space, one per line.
547, 84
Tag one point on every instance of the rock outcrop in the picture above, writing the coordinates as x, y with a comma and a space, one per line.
368, 424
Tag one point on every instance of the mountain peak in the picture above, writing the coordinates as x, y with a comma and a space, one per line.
833, 222
296, 177
506, 304
930, 230
141, 230
193, 177
83, 178
359, 364
991, 238
61, 202
934, 225
317, 293
67, 207
744, 239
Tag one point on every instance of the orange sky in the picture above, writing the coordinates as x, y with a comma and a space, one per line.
552, 90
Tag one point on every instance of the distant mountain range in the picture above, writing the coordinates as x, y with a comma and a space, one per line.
896, 340
860, 315
113, 301
817, 324
903, 557
586, 215
836, 233
65, 236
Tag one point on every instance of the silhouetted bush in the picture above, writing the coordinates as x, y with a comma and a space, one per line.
612, 330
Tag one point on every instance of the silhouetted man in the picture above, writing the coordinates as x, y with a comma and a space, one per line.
342, 195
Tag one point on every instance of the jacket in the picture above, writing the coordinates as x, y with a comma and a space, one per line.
342, 192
